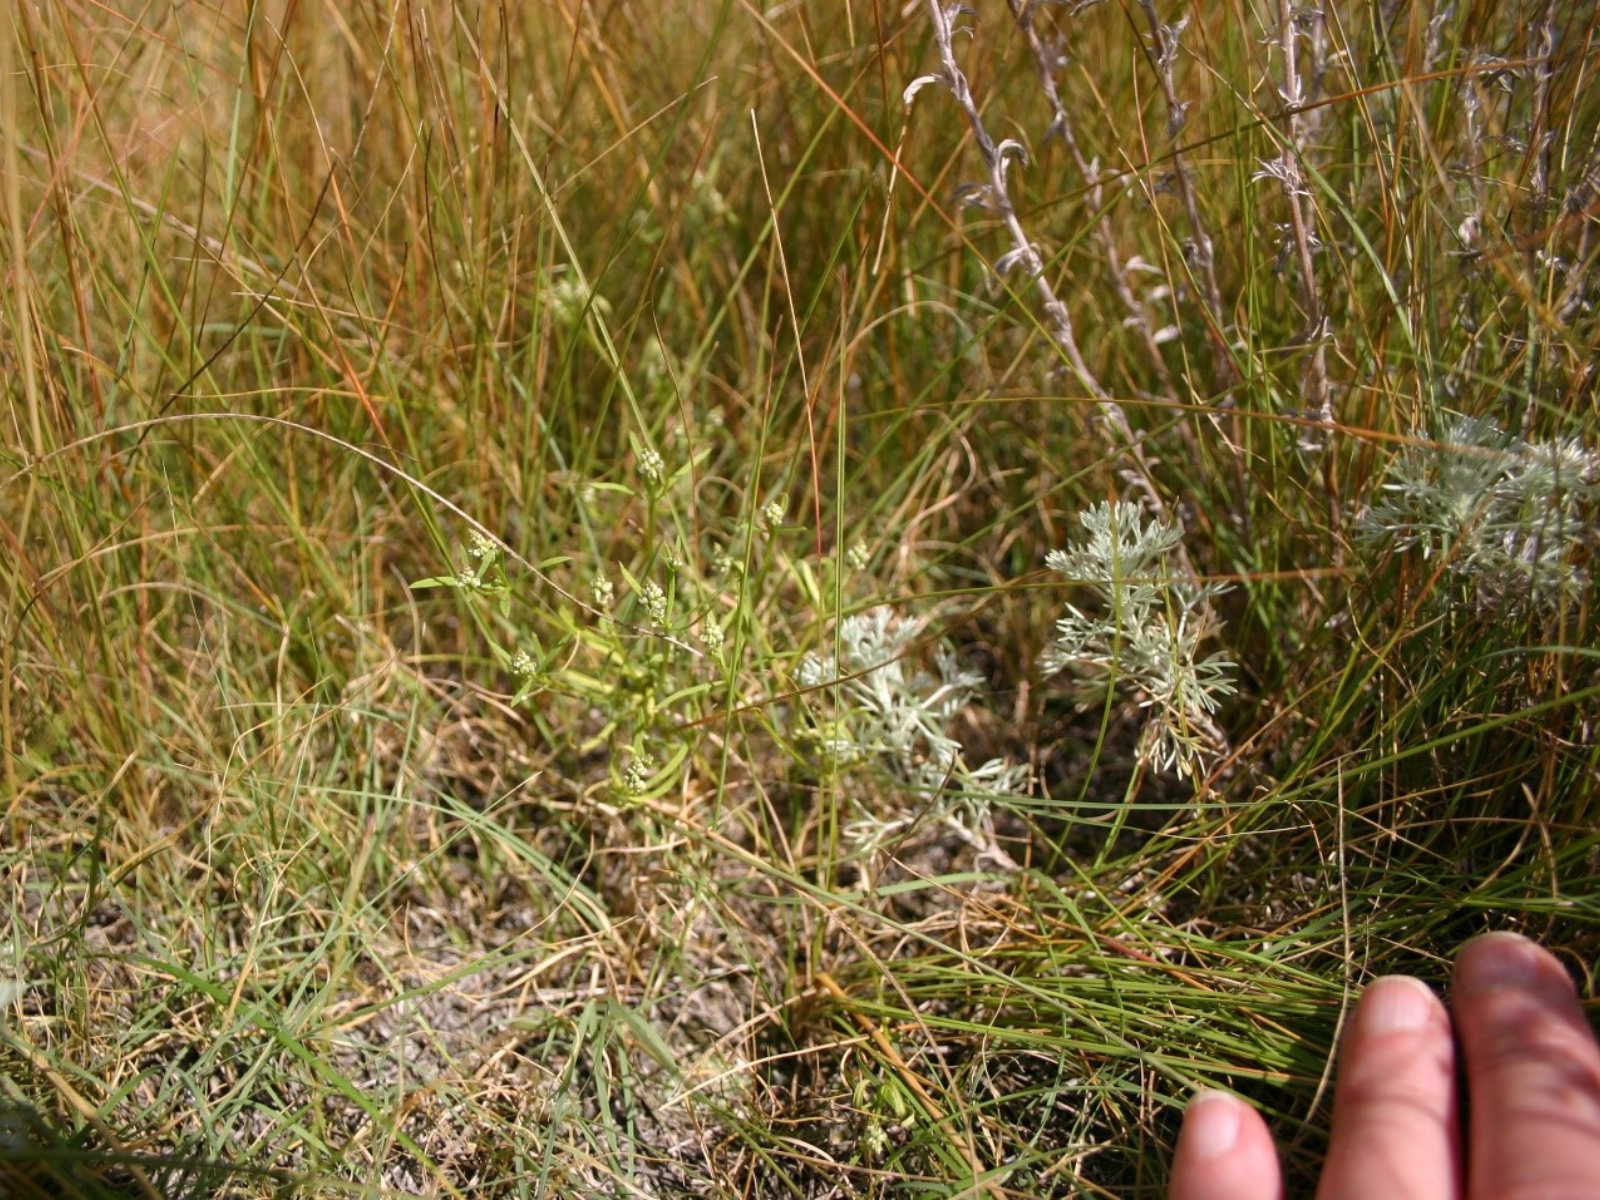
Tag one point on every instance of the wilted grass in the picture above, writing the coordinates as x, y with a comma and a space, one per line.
658, 342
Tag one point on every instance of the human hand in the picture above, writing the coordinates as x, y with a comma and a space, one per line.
1533, 1076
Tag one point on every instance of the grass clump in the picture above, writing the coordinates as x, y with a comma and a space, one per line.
743, 604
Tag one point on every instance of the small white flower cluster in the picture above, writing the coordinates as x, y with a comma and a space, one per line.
1511, 515
891, 714
482, 572
714, 637
1146, 637
637, 776
569, 299
652, 467
654, 600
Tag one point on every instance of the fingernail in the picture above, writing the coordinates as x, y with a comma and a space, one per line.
1499, 960
1395, 1004
1211, 1124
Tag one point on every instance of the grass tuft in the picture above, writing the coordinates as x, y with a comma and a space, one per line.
765, 601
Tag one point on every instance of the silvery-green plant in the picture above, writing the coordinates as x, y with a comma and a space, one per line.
890, 713
1510, 516
1144, 636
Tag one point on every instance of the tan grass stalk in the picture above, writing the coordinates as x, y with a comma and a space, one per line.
1291, 176
1164, 43
1024, 255
1061, 126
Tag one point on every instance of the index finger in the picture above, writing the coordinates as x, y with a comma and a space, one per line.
1533, 1072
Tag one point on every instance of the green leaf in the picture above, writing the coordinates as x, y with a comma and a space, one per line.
650, 1039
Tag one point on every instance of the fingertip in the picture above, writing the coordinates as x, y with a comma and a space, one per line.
1394, 1125
1533, 1066
1225, 1152
1502, 960
1211, 1124
1398, 1004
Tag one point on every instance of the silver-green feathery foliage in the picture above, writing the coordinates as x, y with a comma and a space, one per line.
889, 712
1511, 515
1145, 636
